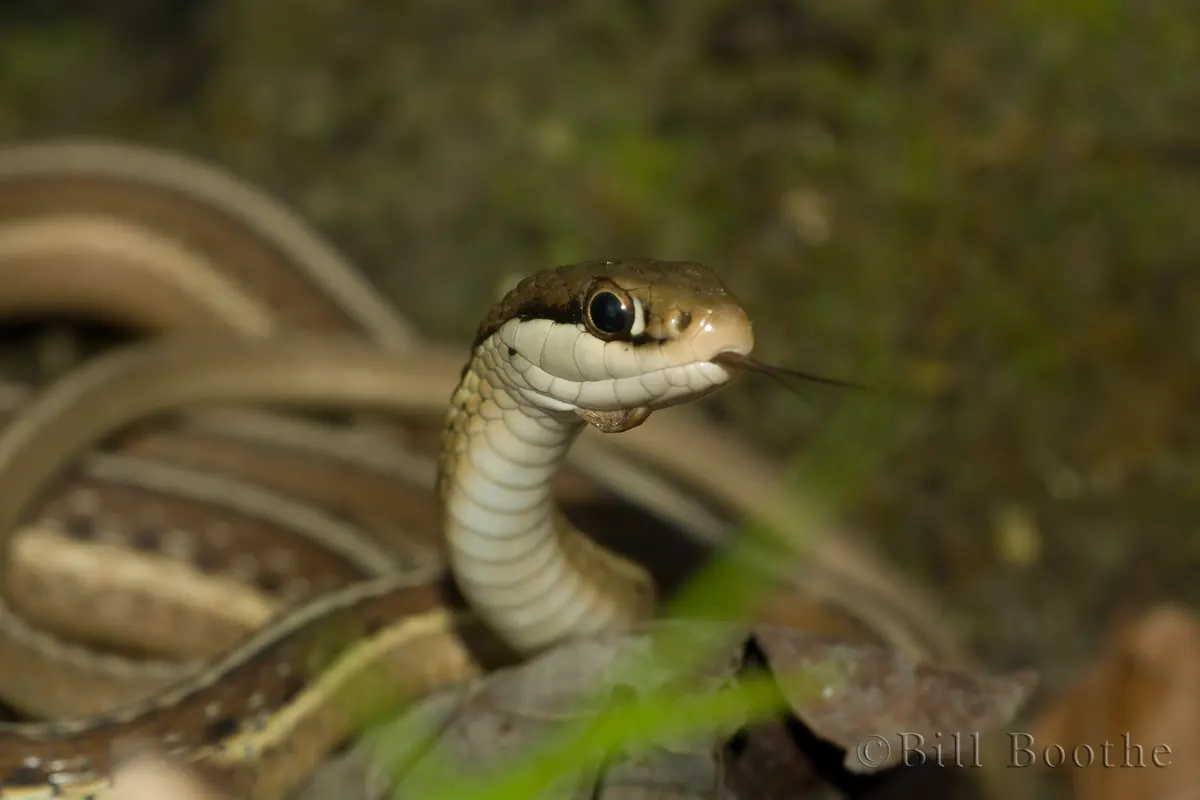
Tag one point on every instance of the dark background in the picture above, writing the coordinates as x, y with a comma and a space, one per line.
991, 205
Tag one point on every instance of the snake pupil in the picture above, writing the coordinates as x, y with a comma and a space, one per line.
610, 314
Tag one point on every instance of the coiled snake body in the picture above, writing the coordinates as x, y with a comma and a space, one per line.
603, 343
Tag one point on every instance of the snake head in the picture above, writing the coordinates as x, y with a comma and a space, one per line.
612, 341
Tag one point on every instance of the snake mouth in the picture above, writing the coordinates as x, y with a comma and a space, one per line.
740, 362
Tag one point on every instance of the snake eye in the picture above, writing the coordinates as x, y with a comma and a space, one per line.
611, 315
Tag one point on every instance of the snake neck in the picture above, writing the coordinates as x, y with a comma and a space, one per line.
526, 571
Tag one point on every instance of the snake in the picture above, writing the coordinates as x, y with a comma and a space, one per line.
602, 344
173, 212
198, 249
160, 243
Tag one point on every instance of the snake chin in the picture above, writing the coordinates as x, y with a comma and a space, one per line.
617, 421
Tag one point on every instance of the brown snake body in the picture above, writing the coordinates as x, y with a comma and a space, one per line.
194, 248
159, 243
427, 617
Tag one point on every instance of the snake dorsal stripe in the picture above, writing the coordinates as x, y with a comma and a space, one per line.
182, 209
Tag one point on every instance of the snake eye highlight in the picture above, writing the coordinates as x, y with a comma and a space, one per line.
613, 314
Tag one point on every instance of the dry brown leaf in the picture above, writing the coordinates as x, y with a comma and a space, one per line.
846, 738
1145, 691
874, 692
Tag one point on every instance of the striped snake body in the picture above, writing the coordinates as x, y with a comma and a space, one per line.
162, 245
601, 343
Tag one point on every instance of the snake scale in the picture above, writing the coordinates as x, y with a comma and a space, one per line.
599, 344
